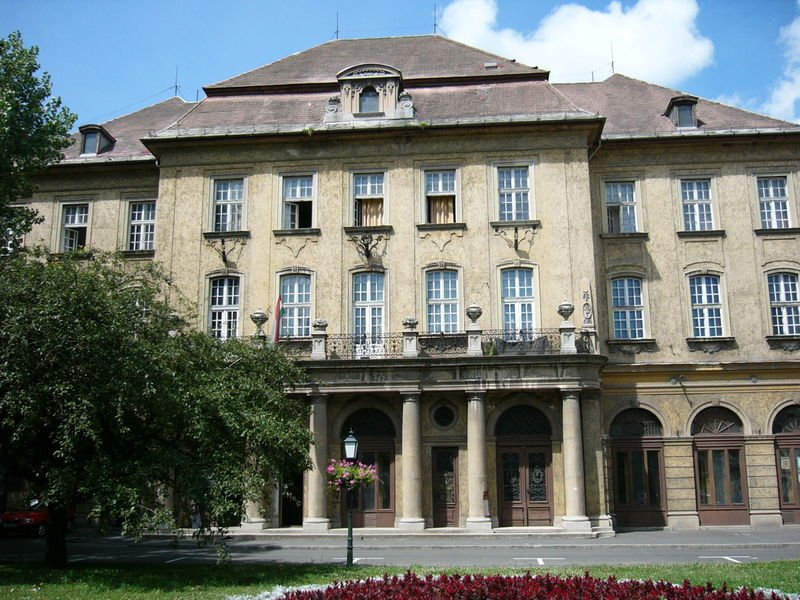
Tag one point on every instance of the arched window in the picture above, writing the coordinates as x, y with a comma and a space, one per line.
784, 303
636, 422
517, 293
295, 305
706, 306
442, 301
368, 314
368, 101
787, 421
523, 420
628, 308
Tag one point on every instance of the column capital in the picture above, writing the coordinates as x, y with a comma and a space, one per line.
476, 396
318, 397
410, 396
570, 393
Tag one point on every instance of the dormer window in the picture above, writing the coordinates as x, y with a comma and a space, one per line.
369, 92
368, 101
681, 111
96, 140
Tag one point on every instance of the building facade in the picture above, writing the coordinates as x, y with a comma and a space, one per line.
571, 306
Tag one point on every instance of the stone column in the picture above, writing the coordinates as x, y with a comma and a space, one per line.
412, 465
575, 518
478, 517
316, 518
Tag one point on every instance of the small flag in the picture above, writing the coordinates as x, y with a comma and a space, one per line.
276, 335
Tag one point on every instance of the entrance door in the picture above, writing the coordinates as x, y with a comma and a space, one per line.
445, 487
292, 501
789, 472
525, 486
373, 506
638, 499
720, 489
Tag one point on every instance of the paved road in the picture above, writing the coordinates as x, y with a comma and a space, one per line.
717, 545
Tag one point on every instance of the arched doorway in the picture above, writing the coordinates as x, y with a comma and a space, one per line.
524, 467
373, 506
786, 429
720, 473
638, 457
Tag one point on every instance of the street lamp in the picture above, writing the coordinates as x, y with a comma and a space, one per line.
350, 453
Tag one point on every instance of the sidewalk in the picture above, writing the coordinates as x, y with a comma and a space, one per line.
705, 537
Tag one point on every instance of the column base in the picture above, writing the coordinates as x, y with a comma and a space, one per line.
576, 523
411, 523
484, 523
316, 524
765, 518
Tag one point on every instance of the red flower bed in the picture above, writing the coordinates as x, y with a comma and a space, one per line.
525, 587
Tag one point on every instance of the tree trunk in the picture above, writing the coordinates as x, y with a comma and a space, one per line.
56, 540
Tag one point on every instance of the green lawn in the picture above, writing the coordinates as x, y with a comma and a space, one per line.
139, 582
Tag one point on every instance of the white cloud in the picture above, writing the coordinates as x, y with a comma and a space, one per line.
654, 40
783, 101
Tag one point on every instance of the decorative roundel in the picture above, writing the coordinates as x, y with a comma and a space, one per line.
444, 416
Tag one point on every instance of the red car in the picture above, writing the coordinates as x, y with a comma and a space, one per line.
32, 519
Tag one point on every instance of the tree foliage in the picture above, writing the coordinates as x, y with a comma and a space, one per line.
34, 128
106, 398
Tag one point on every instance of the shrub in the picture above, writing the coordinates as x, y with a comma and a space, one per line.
525, 587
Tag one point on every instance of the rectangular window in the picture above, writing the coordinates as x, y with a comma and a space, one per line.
298, 200
628, 309
621, 207
368, 314
142, 226
368, 199
75, 223
706, 306
228, 204
440, 196
517, 293
513, 193
773, 202
697, 210
224, 307
442, 301
784, 304
295, 306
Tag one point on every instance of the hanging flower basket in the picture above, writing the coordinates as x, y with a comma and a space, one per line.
348, 475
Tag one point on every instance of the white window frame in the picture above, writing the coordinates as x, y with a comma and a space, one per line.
707, 305
697, 205
69, 232
142, 230
783, 288
224, 306
299, 195
295, 317
625, 310
520, 304
774, 211
443, 312
369, 313
440, 188
234, 208
519, 196
374, 191
619, 224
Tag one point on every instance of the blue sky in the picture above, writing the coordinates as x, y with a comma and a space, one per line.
111, 57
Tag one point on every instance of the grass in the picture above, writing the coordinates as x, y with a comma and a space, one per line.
204, 582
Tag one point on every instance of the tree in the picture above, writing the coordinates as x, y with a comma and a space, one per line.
107, 399
34, 128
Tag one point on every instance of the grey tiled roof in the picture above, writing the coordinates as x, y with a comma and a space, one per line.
417, 57
635, 108
128, 130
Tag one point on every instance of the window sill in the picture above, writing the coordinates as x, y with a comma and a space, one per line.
529, 224
369, 229
219, 235
632, 346
787, 343
138, 254
711, 345
440, 226
79, 254
297, 231
635, 235
777, 231
707, 233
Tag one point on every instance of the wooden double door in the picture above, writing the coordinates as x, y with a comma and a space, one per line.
639, 499
525, 479
373, 506
445, 487
788, 457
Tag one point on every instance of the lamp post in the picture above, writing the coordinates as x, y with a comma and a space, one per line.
350, 453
